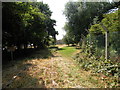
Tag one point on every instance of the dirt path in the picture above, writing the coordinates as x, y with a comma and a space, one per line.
60, 73
54, 72
57, 72
60, 46
67, 75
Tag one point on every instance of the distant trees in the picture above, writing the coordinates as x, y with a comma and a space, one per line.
26, 23
80, 16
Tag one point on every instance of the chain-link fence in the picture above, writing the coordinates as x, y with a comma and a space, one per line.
93, 55
95, 44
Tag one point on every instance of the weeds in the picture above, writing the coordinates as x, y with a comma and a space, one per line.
108, 68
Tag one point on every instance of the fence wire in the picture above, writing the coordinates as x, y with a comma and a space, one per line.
95, 44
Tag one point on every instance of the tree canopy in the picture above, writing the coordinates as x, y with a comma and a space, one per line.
110, 21
80, 16
27, 23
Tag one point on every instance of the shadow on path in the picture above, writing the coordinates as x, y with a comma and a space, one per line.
22, 79
23, 55
61, 49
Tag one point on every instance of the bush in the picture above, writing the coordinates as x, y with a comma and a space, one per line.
99, 65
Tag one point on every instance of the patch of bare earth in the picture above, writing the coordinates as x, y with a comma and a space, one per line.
61, 45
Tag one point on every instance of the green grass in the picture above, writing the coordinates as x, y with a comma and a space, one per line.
77, 75
67, 51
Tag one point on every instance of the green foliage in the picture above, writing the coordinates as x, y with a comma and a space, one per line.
81, 15
96, 29
111, 22
27, 23
93, 54
108, 68
68, 40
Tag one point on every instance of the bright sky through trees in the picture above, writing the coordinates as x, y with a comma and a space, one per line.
57, 7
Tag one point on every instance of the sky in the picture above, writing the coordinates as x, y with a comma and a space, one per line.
57, 7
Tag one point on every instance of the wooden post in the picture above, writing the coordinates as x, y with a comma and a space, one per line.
106, 45
106, 41
90, 43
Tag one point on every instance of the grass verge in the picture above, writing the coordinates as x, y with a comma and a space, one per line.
75, 74
67, 51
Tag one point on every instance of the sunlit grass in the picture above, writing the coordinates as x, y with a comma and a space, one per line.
67, 51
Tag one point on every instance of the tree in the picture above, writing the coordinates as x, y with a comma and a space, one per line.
111, 30
111, 21
26, 23
80, 16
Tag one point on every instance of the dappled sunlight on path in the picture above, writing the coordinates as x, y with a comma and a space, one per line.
53, 72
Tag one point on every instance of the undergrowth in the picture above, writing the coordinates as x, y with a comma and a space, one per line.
108, 69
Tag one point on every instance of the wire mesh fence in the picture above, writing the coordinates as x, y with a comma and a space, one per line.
95, 44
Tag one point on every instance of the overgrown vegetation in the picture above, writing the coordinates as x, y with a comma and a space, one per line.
85, 28
94, 50
82, 70
108, 69
80, 17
